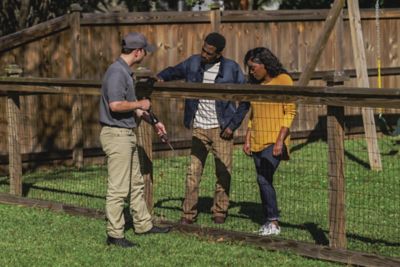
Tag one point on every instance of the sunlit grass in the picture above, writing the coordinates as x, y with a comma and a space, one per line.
372, 198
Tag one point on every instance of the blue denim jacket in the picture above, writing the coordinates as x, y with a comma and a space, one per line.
191, 70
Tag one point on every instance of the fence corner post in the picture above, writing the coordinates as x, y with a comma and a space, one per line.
13, 135
335, 136
77, 121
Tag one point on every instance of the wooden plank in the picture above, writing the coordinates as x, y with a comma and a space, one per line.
273, 16
343, 96
77, 122
54, 206
35, 32
337, 202
144, 18
226, 16
215, 18
320, 43
362, 81
372, 72
339, 44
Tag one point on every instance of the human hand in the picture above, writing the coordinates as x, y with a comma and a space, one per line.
246, 148
144, 104
227, 134
159, 127
277, 151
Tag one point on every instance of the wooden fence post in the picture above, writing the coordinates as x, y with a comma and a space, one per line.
215, 18
335, 133
14, 138
145, 147
77, 124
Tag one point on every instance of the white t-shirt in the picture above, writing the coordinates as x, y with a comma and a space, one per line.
206, 115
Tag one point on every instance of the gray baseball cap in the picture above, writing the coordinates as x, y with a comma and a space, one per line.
134, 40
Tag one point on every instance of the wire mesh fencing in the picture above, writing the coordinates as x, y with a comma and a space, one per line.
45, 143
302, 184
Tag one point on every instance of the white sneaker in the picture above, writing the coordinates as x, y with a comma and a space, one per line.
269, 229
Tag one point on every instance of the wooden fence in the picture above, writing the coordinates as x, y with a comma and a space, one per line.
81, 46
335, 98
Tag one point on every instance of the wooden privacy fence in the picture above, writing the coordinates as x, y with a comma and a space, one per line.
74, 46
334, 96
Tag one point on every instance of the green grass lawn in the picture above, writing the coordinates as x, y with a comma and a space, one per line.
34, 237
372, 198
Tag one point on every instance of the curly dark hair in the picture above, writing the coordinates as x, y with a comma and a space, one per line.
263, 55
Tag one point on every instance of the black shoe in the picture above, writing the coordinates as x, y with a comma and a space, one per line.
120, 242
157, 230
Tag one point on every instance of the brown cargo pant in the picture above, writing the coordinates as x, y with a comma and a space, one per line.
204, 141
124, 178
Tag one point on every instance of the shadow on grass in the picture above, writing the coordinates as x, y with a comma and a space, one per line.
30, 180
357, 160
252, 211
26, 187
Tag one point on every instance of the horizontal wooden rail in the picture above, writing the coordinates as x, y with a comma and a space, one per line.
317, 95
341, 96
299, 15
188, 17
373, 72
144, 18
35, 32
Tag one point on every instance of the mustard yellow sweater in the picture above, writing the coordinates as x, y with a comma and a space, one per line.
266, 118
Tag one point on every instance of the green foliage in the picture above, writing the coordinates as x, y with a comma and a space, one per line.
192, 2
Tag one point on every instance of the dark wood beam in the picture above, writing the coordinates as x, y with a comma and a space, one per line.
317, 95
35, 32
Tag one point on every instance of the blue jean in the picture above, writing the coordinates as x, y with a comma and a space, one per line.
266, 165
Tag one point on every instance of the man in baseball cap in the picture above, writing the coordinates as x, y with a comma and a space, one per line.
118, 104
135, 40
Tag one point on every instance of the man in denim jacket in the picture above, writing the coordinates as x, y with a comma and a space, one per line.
213, 123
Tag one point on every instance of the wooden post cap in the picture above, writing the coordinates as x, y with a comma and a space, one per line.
13, 70
75, 7
336, 78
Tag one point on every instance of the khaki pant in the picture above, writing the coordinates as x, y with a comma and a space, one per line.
204, 141
124, 179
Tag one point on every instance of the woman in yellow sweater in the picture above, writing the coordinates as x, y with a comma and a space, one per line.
267, 134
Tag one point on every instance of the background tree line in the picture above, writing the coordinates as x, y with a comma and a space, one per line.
19, 14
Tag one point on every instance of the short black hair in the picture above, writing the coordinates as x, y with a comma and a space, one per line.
217, 40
